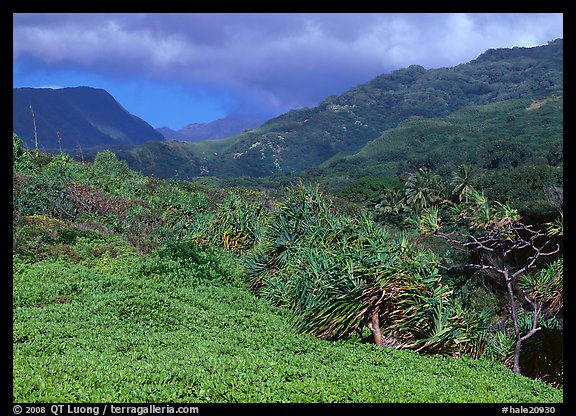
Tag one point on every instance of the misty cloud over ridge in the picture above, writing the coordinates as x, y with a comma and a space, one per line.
277, 60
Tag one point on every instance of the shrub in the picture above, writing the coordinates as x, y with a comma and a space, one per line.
237, 224
46, 193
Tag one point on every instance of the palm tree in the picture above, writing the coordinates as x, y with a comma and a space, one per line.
392, 202
462, 183
422, 189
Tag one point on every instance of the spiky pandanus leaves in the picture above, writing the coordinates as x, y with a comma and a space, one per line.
545, 287
501, 348
339, 276
334, 308
453, 330
429, 222
237, 224
471, 328
303, 212
556, 227
274, 254
421, 304
402, 287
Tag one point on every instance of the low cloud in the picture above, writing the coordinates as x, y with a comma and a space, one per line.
281, 60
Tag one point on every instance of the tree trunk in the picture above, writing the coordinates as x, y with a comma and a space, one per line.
516, 366
517, 349
374, 326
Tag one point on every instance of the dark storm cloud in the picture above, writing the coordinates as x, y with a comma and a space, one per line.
279, 60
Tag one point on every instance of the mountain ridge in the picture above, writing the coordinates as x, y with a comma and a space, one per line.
66, 118
221, 128
347, 122
305, 138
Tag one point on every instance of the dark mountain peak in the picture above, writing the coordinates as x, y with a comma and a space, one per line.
81, 88
76, 116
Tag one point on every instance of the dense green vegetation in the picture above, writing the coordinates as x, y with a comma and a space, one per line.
510, 142
514, 151
513, 148
131, 288
179, 326
416, 257
491, 137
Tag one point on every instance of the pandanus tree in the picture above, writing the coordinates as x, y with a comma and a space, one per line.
302, 212
503, 245
381, 287
341, 276
237, 224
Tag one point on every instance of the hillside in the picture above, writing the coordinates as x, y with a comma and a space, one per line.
514, 147
133, 289
302, 139
510, 139
72, 118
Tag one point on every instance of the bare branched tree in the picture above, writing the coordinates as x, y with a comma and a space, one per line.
503, 245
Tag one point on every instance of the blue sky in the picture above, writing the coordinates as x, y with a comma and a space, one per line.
176, 69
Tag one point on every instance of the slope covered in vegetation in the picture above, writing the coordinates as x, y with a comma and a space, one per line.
105, 324
514, 149
130, 288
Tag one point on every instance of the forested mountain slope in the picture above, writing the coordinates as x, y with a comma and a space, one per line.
304, 138
514, 148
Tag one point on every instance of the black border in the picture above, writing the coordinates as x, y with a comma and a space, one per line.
550, 6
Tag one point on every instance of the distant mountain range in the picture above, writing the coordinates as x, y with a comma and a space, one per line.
71, 117
90, 118
218, 129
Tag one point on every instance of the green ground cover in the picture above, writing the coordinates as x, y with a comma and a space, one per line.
179, 325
